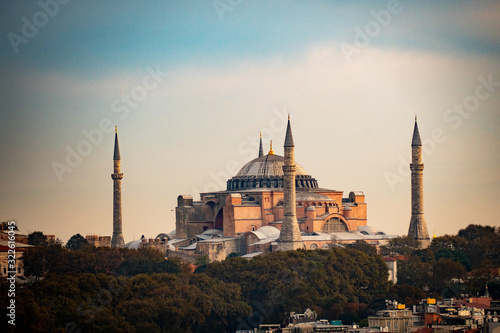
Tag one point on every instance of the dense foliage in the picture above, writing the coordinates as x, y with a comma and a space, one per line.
37, 238
453, 265
121, 290
90, 289
42, 260
338, 283
76, 242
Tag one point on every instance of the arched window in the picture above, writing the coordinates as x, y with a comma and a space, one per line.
326, 246
335, 225
313, 246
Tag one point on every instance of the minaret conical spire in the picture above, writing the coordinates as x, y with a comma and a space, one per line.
416, 135
289, 136
116, 155
261, 150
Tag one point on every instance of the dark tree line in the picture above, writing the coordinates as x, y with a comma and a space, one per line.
453, 265
121, 290
337, 284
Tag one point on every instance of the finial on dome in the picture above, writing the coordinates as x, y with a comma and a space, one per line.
415, 117
271, 152
116, 129
288, 116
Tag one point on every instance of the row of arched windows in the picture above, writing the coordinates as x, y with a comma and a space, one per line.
238, 184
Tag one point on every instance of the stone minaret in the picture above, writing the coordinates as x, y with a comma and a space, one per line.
261, 150
418, 227
290, 238
117, 239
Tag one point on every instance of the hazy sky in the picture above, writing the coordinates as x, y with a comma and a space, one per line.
191, 83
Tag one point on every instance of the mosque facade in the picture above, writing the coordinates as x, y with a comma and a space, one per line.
258, 213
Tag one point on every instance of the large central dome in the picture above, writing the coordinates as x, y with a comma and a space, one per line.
267, 166
267, 172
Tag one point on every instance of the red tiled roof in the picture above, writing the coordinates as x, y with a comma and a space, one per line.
388, 259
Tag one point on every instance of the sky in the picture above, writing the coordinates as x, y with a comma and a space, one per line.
190, 84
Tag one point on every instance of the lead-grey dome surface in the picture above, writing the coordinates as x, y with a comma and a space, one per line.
267, 166
267, 172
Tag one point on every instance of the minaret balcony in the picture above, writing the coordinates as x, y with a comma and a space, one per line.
117, 176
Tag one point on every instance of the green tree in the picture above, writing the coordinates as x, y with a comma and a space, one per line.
202, 261
403, 245
406, 294
134, 266
227, 304
363, 247
40, 260
281, 282
414, 272
446, 277
476, 231
76, 242
37, 238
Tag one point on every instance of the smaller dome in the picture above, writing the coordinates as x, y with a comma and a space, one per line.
269, 232
347, 208
367, 230
133, 244
310, 209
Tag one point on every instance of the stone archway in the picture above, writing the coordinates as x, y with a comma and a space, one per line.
335, 224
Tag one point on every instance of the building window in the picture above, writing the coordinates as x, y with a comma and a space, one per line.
313, 246
335, 225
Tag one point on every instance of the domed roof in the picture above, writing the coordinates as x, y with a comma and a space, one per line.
270, 232
367, 230
267, 166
